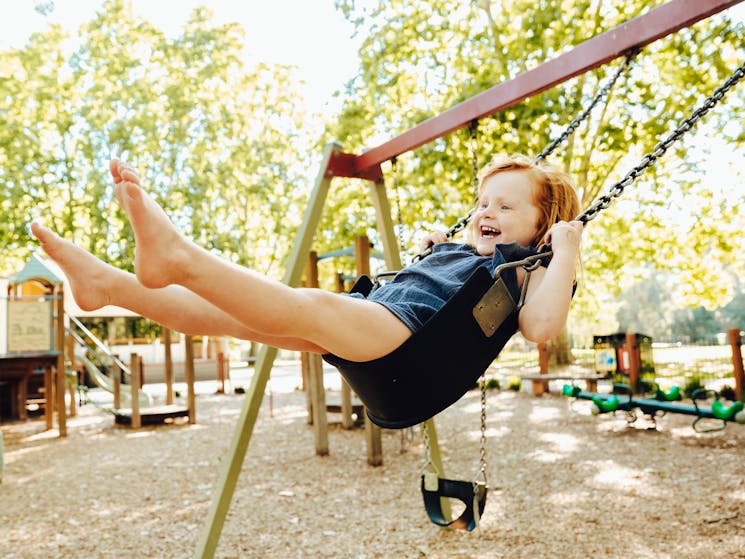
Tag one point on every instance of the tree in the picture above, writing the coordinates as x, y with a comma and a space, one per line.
219, 144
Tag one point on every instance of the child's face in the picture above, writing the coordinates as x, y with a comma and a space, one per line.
505, 212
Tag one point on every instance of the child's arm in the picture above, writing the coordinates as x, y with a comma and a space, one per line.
546, 307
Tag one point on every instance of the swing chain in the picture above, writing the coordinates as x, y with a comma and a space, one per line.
473, 131
649, 159
579, 119
481, 476
394, 169
429, 465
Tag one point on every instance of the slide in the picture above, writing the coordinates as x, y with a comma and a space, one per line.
105, 383
97, 347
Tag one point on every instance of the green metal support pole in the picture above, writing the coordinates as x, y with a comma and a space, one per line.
210, 535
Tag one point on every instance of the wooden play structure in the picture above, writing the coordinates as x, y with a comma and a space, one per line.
151, 415
45, 340
312, 368
131, 405
36, 341
638, 32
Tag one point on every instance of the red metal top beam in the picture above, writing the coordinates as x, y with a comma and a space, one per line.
640, 31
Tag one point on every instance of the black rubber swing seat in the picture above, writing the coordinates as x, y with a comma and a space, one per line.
440, 362
472, 496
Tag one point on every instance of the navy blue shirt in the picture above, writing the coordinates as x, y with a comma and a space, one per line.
418, 291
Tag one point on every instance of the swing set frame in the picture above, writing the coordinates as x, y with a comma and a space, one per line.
593, 53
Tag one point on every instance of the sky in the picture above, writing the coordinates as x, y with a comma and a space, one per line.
309, 34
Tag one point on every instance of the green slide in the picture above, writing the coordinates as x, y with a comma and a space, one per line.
104, 382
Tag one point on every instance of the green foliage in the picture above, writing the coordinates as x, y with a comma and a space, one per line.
490, 384
217, 143
514, 383
420, 57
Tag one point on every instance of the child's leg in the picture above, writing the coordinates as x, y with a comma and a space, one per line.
95, 284
351, 328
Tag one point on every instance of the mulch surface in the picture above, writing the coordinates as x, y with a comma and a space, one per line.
564, 484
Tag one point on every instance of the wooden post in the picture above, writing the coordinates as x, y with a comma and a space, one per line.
340, 287
374, 443
48, 396
221, 373
70, 359
735, 342
312, 370
189, 379
318, 398
314, 365
73, 403
226, 370
373, 433
134, 390
540, 387
59, 345
632, 349
142, 373
362, 255
168, 372
346, 391
311, 270
346, 405
116, 379
305, 371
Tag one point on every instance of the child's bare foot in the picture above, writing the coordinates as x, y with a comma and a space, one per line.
89, 277
161, 256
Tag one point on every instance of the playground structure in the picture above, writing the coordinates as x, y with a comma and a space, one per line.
593, 53
635, 389
312, 366
131, 405
36, 342
44, 335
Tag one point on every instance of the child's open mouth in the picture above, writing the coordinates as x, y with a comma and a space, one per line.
489, 232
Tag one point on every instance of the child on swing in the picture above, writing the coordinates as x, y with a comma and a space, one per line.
521, 203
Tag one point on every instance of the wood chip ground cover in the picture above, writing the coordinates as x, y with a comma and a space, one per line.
566, 484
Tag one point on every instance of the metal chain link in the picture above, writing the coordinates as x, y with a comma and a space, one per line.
394, 172
473, 134
481, 475
649, 159
586, 113
427, 450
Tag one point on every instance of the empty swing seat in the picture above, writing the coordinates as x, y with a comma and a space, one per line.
440, 362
